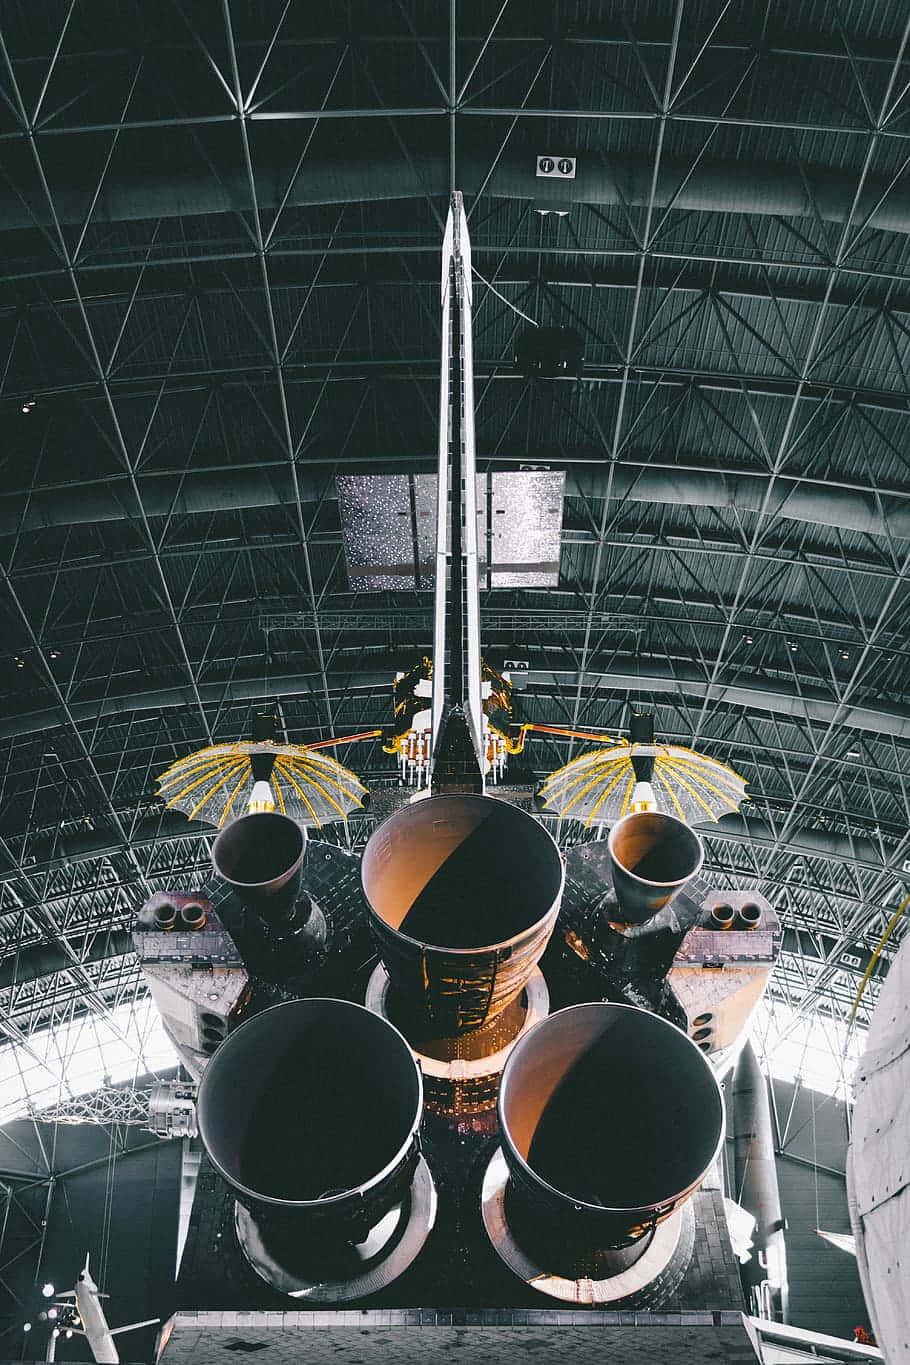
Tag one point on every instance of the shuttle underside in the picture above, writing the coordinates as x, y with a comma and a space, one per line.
472, 1218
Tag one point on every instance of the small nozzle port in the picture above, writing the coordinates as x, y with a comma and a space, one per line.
750, 915
165, 916
192, 916
702, 1033
721, 916
702, 1019
706, 1047
215, 1021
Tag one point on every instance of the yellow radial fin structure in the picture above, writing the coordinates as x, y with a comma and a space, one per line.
597, 787
215, 783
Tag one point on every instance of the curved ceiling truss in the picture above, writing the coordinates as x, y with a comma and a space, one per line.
220, 262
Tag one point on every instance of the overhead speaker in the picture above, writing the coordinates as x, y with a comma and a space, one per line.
549, 353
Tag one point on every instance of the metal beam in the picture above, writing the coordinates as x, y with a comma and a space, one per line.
619, 182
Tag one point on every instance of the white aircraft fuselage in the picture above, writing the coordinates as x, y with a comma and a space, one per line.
94, 1323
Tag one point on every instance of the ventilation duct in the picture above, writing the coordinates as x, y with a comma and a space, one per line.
48, 959
882, 513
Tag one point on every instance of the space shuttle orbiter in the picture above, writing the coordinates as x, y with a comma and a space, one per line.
457, 761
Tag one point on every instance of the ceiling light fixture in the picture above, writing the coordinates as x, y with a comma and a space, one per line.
556, 167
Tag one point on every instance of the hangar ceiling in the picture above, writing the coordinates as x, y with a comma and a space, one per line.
221, 226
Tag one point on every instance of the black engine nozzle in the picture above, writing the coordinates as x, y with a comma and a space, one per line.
310, 1112
463, 892
652, 856
610, 1117
261, 857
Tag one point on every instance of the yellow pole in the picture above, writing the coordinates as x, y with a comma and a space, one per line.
875, 956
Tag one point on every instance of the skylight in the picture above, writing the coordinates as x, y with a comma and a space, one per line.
815, 1048
82, 1056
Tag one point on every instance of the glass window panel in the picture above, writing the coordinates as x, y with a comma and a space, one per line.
79, 1057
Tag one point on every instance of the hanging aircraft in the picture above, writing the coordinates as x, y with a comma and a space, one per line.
78, 1311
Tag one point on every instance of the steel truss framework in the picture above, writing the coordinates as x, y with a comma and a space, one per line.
220, 241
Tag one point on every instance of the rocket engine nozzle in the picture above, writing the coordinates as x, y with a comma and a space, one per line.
463, 892
610, 1117
261, 857
652, 856
310, 1112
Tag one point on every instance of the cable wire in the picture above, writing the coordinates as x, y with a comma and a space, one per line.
508, 302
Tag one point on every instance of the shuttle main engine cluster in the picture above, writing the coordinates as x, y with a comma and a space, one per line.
466, 1050
320, 1095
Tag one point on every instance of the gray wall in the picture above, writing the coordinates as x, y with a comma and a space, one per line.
825, 1293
